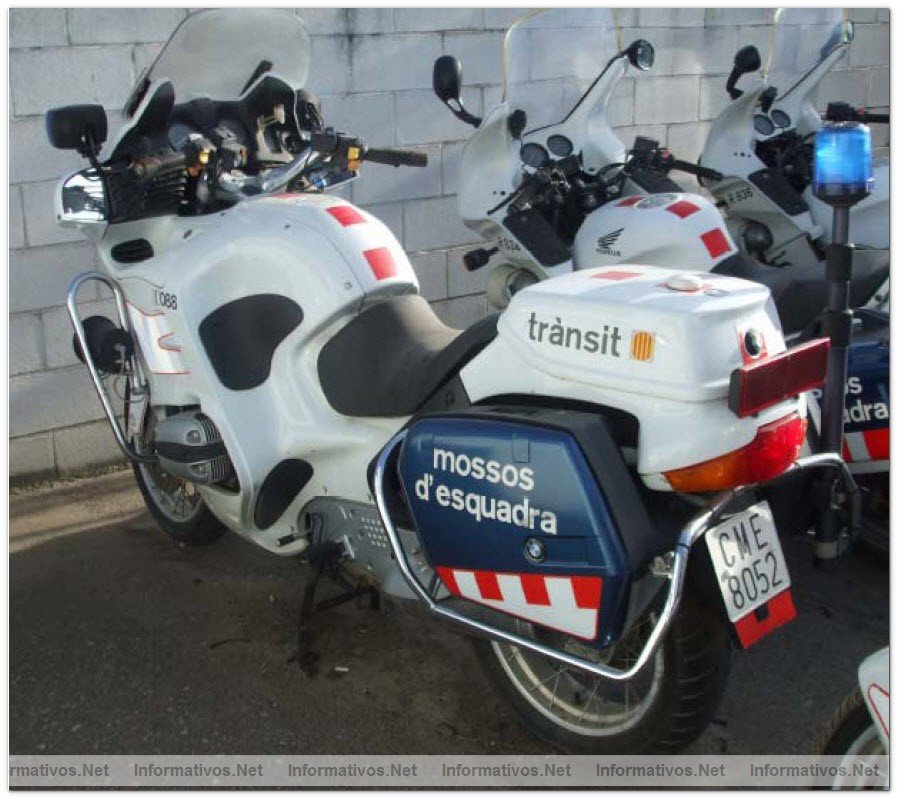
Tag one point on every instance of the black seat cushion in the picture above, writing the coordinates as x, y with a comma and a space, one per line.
393, 356
801, 292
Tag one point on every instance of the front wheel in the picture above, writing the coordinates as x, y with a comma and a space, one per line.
661, 709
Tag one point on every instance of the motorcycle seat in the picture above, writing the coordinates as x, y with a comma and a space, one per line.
394, 356
801, 292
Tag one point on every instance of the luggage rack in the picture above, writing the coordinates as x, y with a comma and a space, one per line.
673, 566
139, 386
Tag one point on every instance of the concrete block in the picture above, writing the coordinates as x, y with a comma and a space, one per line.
502, 18
671, 17
42, 79
25, 343
371, 116
862, 14
492, 96
330, 71
16, 219
451, 166
435, 224
713, 96
462, 282
626, 18
40, 221
438, 19
621, 108
480, 55
848, 85
325, 21
394, 61
884, 15
371, 20
390, 213
666, 99
57, 330
381, 183
461, 313
686, 141
37, 27
32, 457
879, 88
39, 278
32, 157
628, 134
47, 400
430, 268
144, 55
422, 119
123, 25
80, 449
705, 51
726, 17
871, 45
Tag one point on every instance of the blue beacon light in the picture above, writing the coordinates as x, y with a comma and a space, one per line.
842, 164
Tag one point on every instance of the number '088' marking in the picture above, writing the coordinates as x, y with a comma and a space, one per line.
166, 300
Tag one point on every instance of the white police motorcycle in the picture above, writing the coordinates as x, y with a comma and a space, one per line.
593, 484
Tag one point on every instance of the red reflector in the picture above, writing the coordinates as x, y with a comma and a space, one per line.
764, 383
346, 215
716, 242
779, 610
629, 201
381, 262
683, 209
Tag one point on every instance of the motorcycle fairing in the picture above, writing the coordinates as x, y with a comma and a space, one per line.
530, 512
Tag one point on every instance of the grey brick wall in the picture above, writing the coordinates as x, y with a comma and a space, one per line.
372, 68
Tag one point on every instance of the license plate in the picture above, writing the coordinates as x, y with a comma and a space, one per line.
748, 560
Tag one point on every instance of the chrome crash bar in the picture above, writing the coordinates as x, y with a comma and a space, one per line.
139, 384
689, 535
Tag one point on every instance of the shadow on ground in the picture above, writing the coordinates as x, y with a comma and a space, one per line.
123, 643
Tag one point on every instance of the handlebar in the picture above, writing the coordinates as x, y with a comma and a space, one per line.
696, 169
394, 157
148, 167
842, 112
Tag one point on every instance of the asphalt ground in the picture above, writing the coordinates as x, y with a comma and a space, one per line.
121, 642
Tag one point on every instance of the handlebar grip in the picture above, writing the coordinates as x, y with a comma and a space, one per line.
883, 119
148, 167
697, 170
391, 157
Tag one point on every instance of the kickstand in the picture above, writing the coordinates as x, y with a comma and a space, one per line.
324, 560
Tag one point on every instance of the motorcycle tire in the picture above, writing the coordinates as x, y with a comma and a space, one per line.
850, 725
200, 529
693, 660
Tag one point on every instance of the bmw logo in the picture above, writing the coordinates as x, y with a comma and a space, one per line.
534, 550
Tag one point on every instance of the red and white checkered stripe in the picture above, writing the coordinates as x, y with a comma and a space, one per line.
858, 447
565, 603
378, 250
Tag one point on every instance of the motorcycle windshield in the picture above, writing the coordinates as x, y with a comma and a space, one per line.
552, 57
216, 54
800, 39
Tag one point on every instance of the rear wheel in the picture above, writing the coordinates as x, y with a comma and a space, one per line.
661, 709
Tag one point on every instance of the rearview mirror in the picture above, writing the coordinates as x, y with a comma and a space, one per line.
77, 127
747, 59
641, 54
447, 87
447, 78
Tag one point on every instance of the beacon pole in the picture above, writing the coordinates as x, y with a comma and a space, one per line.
842, 176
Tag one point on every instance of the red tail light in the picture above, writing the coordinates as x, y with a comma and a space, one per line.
774, 448
767, 382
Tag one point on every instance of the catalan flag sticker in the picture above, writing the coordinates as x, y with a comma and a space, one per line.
642, 346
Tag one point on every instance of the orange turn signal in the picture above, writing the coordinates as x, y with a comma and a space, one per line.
775, 447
